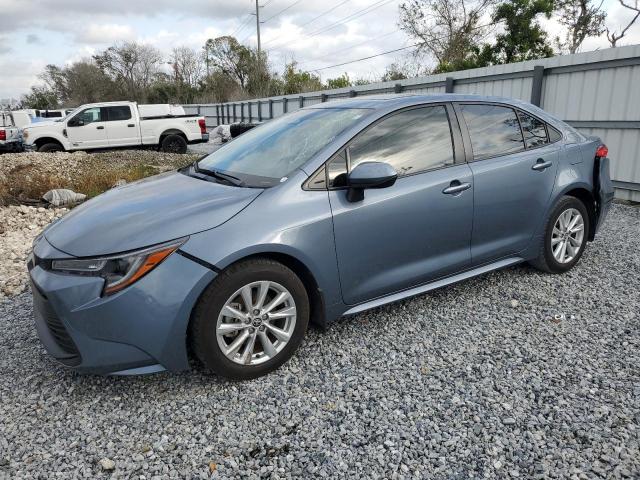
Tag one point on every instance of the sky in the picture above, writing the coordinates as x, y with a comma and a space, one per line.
317, 34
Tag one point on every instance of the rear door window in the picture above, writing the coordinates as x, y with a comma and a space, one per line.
494, 130
115, 114
533, 130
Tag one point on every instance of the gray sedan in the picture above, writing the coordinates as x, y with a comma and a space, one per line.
327, 211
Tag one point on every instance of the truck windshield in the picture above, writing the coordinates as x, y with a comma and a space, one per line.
268, 153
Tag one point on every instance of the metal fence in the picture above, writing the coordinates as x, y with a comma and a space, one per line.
596, 92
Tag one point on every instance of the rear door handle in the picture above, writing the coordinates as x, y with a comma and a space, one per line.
541, 165
100, 128
131, 125
456, 187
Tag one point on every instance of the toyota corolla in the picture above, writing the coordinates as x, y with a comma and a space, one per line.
324, 212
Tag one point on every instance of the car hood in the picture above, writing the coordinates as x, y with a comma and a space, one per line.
143, 213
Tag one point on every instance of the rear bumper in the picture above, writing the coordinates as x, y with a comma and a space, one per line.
139, 330
204, 139
11, 147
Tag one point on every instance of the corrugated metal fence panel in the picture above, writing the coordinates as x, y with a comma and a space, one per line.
597, 92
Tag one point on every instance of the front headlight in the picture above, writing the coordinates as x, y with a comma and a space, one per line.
119, 271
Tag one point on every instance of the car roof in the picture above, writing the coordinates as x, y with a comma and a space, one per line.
387, 101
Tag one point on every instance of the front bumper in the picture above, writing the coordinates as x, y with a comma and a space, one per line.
138, 330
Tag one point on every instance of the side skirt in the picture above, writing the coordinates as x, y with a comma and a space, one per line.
394, 297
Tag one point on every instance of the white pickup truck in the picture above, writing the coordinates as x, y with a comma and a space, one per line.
117, 125
10, 138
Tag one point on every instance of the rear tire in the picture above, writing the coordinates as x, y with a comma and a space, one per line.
240, 342
174, 144
51, 147
565, 237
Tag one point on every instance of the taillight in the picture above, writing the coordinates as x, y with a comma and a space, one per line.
203, 125
602, 151
3, 134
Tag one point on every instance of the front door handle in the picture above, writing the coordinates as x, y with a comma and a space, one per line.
456, 187
131, 125
541, 165
100, 127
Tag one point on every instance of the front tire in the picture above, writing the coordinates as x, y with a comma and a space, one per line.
565, 236
174, 144
51, 147
250, 320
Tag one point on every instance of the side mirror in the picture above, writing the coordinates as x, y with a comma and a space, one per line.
369, 175
75, 123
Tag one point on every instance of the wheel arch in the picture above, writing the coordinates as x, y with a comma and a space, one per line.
172, 131
39, 142
588, 200
300, 268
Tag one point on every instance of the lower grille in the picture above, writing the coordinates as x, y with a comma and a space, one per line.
55, 325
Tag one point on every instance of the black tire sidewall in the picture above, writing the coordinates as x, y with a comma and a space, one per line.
174, 138
50, 147
564, 204
206, 315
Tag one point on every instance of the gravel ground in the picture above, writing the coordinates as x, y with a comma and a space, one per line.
516, 374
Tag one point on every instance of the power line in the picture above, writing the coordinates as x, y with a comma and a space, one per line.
324, 13
367, 58
389, 51
282, 11
242, 25
315, 18
369, 40
352, 16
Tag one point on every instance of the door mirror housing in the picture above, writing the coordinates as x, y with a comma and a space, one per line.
75, 122
369, 175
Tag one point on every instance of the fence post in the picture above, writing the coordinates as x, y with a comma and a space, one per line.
270, 109
324, 97
234, 113
398, 88
448, 85
285, 102
242, 112
250, 112
259, 111
536, 85
218, 114
301, 101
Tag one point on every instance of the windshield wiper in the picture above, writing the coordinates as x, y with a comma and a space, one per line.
219, 175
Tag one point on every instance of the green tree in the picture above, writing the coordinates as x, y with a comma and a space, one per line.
298, 81
339, 82
524, 37
40, 98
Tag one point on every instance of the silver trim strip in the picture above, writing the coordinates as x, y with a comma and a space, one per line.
394, 297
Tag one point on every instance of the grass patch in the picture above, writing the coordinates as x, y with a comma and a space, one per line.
87, 174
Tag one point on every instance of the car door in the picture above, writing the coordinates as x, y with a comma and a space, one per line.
513, 177
418, 229
121, 127
86, 129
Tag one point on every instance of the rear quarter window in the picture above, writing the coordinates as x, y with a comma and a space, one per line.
494, 130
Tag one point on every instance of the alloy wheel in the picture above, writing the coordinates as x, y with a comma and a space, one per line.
567, 236
256, 323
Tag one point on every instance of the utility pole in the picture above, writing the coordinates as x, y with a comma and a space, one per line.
258, 25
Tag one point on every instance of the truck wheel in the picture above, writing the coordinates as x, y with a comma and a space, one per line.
51, 147
174, 144
250, 320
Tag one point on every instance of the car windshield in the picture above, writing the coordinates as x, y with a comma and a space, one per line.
267, 154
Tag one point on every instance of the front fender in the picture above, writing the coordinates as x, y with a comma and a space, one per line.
34, 137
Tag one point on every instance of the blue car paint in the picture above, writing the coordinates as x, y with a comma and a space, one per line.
144, 327
143, 213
